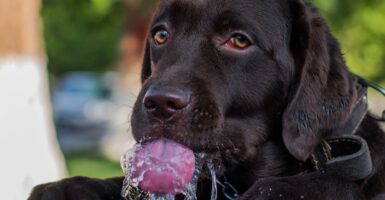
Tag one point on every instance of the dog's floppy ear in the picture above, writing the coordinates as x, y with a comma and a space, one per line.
323, 95
146, 64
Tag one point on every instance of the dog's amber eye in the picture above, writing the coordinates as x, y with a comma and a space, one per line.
161, 37
239, 41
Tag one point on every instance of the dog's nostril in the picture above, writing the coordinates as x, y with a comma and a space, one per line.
163, 102
172, 105
149, 104
178, 103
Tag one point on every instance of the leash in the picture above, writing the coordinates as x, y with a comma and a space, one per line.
228, 190
347, 156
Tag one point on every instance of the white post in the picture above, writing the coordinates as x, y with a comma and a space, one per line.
29, 151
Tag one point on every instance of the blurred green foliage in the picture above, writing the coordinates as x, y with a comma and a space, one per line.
360, 28
81, 35
92, 164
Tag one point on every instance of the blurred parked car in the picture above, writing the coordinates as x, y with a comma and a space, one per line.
81, 109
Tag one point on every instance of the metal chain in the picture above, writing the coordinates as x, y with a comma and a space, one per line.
228, 190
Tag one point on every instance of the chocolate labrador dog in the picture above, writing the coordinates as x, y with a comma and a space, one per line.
260, 85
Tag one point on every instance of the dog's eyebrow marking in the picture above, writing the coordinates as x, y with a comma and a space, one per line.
161, 15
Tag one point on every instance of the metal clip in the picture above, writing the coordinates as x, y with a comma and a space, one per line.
228, 190
382, 91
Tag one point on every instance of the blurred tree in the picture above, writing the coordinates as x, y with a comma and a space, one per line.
360, 28
82, 35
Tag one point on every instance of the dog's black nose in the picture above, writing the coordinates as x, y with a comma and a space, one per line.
164, 102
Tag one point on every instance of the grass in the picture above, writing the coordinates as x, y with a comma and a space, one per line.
93, 165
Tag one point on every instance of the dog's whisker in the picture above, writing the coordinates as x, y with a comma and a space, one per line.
226, 138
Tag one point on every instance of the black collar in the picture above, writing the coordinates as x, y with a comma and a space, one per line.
359, 111
347, 154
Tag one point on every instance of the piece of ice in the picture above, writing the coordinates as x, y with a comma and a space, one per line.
131, 190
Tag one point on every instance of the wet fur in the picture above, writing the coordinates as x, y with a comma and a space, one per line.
261, 111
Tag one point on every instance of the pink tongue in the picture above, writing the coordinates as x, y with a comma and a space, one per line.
163, 167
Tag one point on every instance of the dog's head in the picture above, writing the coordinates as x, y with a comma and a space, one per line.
228, 77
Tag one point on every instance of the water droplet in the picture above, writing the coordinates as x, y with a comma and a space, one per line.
141, 177
140, 163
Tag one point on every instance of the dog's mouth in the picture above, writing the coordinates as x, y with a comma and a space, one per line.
163, 168
174, 153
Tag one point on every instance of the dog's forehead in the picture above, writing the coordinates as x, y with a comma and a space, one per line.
212, 5
194, 2
190, 7
204, 9
224, 4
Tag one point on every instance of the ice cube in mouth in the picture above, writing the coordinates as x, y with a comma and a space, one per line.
160, 167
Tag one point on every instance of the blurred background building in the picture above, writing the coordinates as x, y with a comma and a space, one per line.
69, 75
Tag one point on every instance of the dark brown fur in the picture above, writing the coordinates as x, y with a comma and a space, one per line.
260, 112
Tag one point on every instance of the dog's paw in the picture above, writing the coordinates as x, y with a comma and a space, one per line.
78, 188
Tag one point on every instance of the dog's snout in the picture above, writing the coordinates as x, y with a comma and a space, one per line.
164, 102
